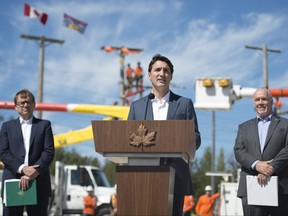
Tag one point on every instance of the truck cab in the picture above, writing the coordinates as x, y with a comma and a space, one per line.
70, 184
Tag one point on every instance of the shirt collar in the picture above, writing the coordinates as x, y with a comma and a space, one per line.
266, 119
22, 121
164, 99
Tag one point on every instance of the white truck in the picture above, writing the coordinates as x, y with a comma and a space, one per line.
229, 203
70, 184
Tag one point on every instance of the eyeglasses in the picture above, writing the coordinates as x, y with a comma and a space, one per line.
22, 103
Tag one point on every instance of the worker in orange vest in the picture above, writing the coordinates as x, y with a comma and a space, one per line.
90, 202
129, 75
188, 205
113, 211
138, 76
204, 206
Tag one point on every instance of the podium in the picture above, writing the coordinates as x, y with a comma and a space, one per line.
144, 185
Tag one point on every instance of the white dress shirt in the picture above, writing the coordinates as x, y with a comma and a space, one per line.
26, 126
160, 107
263, 126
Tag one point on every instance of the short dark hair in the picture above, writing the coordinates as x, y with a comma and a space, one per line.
159, 57
24, 93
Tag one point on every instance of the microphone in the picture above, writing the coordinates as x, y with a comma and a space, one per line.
150, 97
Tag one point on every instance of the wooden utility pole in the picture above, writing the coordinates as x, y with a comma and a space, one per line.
123, 51
265, 61
42, 45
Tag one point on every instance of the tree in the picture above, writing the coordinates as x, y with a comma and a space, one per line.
72, 157
221, 161
233, 166
199, 169
220, 168
110, 171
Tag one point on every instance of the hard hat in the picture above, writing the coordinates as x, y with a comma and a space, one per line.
208, 188
89, 188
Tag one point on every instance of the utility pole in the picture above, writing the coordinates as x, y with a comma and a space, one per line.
212, 179
122, 52
41, 64
265, 61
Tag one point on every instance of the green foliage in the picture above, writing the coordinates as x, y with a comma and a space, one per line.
221, 161
110, 170
200, 166
199, 178
72, 158
233, 167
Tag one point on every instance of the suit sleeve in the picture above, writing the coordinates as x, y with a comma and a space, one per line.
131, 115
10, 160
241, 152
192, 116
280, 161
47, 155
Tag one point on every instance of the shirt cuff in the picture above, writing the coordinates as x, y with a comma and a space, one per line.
21, 168
254, 164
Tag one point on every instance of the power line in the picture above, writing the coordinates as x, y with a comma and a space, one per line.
265, 61
123, 51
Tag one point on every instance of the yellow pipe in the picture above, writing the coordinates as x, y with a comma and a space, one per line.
114, 111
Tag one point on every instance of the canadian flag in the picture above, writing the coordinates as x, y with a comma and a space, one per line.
33, 13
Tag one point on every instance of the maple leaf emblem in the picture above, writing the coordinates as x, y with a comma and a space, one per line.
143, 138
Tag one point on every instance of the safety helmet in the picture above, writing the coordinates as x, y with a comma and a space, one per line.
89, 188
208, 188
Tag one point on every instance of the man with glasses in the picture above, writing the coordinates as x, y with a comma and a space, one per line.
27, 150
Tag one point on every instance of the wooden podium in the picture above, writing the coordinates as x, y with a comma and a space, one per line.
144, 185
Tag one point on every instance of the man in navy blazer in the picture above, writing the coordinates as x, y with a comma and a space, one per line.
261, 148
27, 150
163, 104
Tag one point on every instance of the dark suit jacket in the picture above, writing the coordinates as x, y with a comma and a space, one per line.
12, 152
247, 151
180, 108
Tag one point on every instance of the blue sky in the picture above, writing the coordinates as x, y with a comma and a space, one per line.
202, 38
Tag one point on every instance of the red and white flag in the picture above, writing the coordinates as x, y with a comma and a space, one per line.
33, 13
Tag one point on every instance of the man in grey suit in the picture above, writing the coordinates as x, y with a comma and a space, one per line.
163, 104
261, 148
27, 150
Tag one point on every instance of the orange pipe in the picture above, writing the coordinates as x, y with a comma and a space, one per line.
279, 92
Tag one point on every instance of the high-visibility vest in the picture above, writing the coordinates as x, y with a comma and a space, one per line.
129, 72
89, 204
138, 71
188, 203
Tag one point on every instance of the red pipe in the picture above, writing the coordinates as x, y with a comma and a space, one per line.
39, 106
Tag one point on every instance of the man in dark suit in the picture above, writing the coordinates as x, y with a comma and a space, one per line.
262, 150
165, 105
27, 150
